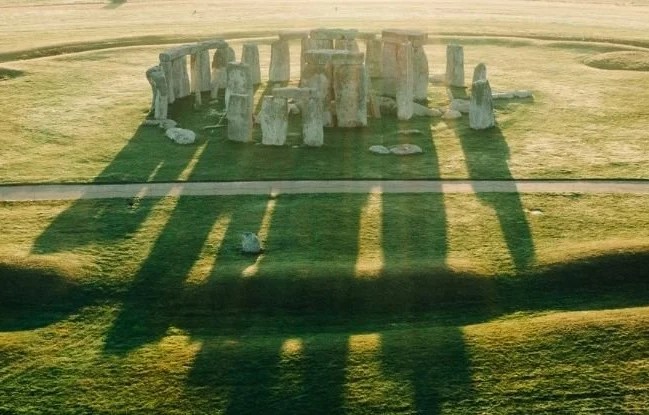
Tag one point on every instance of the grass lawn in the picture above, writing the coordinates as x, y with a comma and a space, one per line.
361, 303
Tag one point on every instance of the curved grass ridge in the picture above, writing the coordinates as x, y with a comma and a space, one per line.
622, 60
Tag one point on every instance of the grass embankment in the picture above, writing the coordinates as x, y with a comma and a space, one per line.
497, 303
53, 125
626, 61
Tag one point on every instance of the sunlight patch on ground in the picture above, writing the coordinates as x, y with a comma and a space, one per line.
370, 259
203, 268
263, 232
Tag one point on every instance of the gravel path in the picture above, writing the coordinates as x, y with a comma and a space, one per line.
107, 191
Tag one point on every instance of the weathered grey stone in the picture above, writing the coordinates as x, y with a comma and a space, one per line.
181, 135
250, 243
333, 34
159, 91
523, 93
410, 131
481, 112
374, 58
347, 44
405, 79
181, 84
451, 115
250, 56
222, 57
437, 78
406, 149
350, 94
420, 73
274, 121
291, 92
455, 65
293, 34
200, 74
374, 107
415, 37
387, 105
280, 62
479, 73
461, 105
423, 111
213, 44
502, 95
239, 81
379, 150
168, 73
176, 52
293, 108
334, 57
239, 118
167, 124
320, 78
312, 122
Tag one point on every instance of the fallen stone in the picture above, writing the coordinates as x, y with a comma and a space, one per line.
523, 93
502, 95
461, 105
387, 105
451, 115
181, 136
410, 132
379, 149
250, 243
167, 124
406, 149
423, 111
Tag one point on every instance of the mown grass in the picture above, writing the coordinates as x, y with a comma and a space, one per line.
626, 61
53, 126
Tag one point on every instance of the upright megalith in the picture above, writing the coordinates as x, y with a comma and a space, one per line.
181, 84
201, 80
159, 90
374, 58
481, 110
250, 56
310, 104
223, 55
479, 73
455, 65
350, 91
274, 120
239, 116
392, 38
405, 80
346, 44
239, 81
318, 75
280, 62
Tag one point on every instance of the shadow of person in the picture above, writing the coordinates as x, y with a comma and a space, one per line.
487, 154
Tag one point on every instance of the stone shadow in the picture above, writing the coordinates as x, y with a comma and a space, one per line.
487, 155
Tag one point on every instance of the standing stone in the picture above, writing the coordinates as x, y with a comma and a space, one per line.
347, 44
274, 121
390, 68
200, 74
181, 77
374, 58
280, 62
250, 56
405, 80
481, 110
350, 92
455, 65
222, 56
239, 116
159, 88
420, 72
169, 74
318, 75
479, 73
239, 81
312, 122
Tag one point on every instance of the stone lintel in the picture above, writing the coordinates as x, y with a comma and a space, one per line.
213, 44
367, 36
293, 34
415, 37
334, 34
294, 93
177, 52
335, 57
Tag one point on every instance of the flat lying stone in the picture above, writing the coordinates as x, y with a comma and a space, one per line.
333, 34
181, 136
422, 111
461, 105
292, 92
410, 132
451, 115
213, 44
406, 149
387, 105
523, 93
379, 149
293, 34
502, 95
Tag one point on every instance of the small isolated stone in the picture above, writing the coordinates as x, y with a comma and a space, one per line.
423, 111
250, 243
181, 136
523, 93
437, 78
167, 124
461, 105
451, 115
502, 95
410, 132
406, 149
379, 150
151, 123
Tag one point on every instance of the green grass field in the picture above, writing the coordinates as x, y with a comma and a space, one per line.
481, 303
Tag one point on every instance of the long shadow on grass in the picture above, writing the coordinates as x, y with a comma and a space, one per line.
147, 157
487, 154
